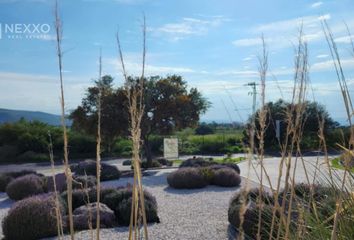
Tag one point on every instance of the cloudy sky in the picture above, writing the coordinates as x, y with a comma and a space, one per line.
213, 44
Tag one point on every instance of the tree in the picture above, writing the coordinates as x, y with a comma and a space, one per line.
278, 111
168, 106
114, 115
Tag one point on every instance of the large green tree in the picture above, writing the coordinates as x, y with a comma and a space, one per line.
114, 116
313, 114
168, 106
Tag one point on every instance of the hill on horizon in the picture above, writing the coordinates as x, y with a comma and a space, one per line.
9, 115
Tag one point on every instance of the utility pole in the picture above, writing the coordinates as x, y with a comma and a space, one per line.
253, 125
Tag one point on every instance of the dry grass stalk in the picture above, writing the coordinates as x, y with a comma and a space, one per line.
349, 110
98, 147
297, 112
68, 174
295, 123
87, 203
135, 95
262, 116
58, 215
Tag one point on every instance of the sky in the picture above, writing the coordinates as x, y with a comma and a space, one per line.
214, 45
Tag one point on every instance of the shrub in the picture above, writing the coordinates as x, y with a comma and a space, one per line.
323, 196
123, 147
127, 162
124, 209
81, 197
120, 202
60, 181
81, 216
154, 164
4, 181
187, 178
88, 167
208, 174
164, 161
250, 224
21, 173
25, 186
7, 177
31, 218
226, 177
231, 166
250, 221
84, 182
195, 162
234, 149
252, 196
201, 162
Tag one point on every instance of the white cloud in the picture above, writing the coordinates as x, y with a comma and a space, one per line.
322, 56
189, 27
247, 59
284, 33
316, 4
247, 42
238, 73
134, 68
328, 65
290, 24
344, 39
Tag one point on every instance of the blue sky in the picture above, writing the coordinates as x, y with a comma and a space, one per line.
213, 44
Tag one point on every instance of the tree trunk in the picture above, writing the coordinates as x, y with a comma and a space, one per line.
147, 150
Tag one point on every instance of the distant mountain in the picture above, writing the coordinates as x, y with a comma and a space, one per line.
8, 115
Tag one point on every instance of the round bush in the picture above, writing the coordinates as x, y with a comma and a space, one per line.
4, 181
81, 197
233, 166
154, 164
84, 182
324, 197
252, 196
88, 167
124, 209
187, 178
21, 173
195, 162
201, 162
120, 202
164, 162
226, 177
127, 162
31, 218
25, 186
81, 216
250, 224
250, 221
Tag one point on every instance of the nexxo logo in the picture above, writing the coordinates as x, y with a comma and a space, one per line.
24, 31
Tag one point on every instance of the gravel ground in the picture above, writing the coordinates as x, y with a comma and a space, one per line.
184, 214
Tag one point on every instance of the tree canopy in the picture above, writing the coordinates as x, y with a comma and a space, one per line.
313, 114
168, 106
